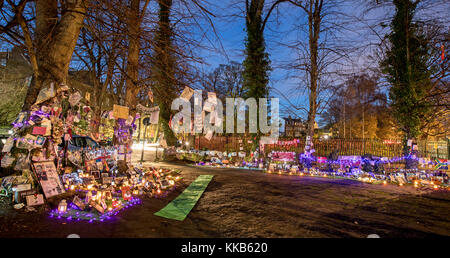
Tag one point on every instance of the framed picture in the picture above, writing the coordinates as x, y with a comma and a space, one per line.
97, 206
74, 157
35, 199
91, 165
25, 143
95, 174
48, 178
88, 180
40, 140
23, 194
99, 165
126, 194
79, 203
107, 180
119, 180
40, 171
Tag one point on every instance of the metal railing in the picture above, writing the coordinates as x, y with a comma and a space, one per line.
324, 147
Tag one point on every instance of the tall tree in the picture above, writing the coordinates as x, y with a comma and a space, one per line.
359, 109
405, 67
226, 80
49, 36
324, 43
256, 63
314, 12
164, 69
98, 49
134, 20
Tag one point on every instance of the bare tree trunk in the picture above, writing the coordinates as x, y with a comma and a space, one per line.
55, 41
133, 56
314, 20
165, 70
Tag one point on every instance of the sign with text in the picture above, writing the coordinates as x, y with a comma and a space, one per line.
48, 178
120, 112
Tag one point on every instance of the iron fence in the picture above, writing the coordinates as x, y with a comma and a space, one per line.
324, 147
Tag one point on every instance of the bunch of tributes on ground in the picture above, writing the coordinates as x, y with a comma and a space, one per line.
430, 173
47, 166
100, 196
367, 169
223, 159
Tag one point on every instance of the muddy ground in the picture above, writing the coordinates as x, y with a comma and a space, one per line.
243, 203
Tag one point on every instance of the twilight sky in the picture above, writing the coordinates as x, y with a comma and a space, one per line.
286, 27
356, 36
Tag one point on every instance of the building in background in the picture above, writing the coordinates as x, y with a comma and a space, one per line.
294, 127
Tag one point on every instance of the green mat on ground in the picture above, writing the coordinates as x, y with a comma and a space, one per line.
179, 208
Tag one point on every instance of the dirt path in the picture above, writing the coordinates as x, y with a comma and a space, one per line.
242, 203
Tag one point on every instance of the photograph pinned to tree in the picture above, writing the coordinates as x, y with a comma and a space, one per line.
39, 142
187, 93
8, 144
39, 130
46, 94
23, 162
7, 160
26, 142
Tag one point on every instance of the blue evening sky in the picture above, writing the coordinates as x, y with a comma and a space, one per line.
283, 30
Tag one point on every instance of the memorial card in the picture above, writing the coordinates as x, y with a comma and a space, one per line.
48, 178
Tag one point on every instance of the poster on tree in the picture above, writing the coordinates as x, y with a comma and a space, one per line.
212, 98
154, 117
120, 112
187, 93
